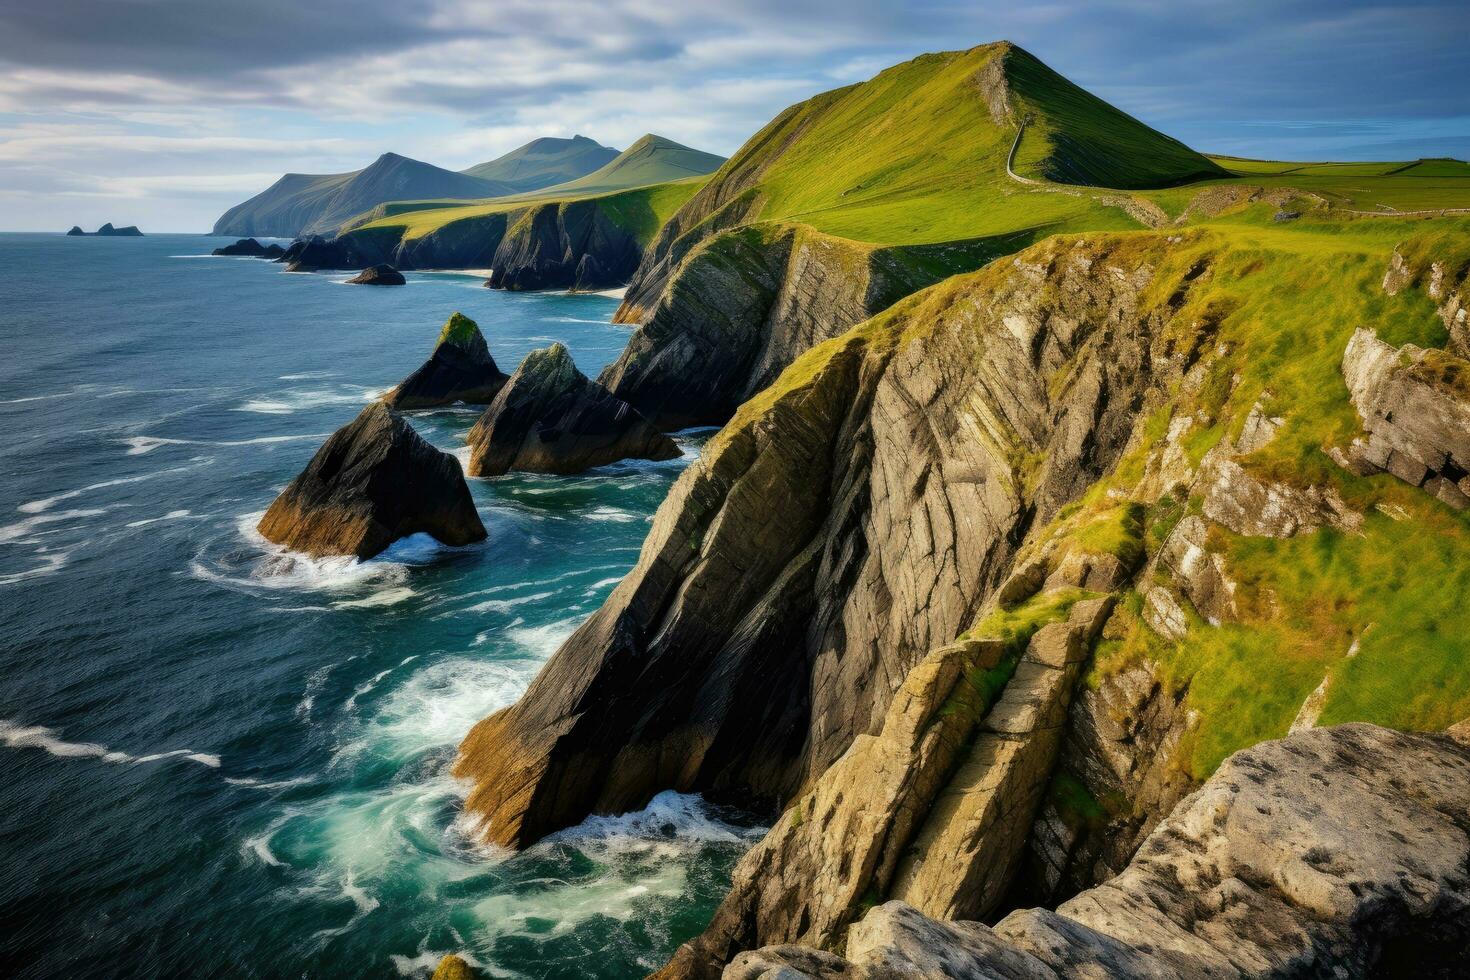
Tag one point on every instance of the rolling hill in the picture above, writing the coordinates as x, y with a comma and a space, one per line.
544, 162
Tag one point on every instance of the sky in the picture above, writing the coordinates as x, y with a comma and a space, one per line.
163, 113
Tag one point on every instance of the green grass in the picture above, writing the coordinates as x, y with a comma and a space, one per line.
458, 329
642, 210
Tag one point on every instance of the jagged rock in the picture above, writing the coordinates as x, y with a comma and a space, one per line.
244, 247
744, 305
372, 482
460, 370
453, 967
1415, 406
1446, 283
1246, 504
549, 418
1335, 852
768, 623
378, 275
1201, 574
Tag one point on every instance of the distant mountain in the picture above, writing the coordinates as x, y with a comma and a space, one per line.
651, 160
546, 161
307, 204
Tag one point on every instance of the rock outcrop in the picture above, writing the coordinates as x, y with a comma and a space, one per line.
453, 967
549, 418
372, 482
1415, 407
460, 370
246, 247
316, 253
854, 516
272, 252
747, 303
571, 245
1336, 852
108, 231
378, 275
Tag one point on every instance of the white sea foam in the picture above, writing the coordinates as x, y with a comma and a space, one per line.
143, 445
19, 736
505, 605
577, 319
387, 597
292, 401
46, 503
542, 641
438, 704
172, 515
271, 785
20, 532
614, 514
51, 562
426, 961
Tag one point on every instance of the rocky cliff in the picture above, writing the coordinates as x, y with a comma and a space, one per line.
978, 590
1338, 852
743, 305
573, 245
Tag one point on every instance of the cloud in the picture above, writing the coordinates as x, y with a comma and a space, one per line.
109, 95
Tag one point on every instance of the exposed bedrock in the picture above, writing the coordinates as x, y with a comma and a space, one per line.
549, 418
378, 275
460, 370
747, 303
1415, 407
573, 245
851, 518
1335, 852
373, 481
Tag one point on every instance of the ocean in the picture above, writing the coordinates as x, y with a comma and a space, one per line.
218, 758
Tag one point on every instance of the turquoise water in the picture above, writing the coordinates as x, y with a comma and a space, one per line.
217, 758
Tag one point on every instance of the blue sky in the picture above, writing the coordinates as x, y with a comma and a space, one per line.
163, 113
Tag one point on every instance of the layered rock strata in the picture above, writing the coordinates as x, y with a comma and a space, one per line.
1340, 852
372, 482
573, 245
549, 418
459, 370
850, 519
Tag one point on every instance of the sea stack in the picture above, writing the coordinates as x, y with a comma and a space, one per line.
378, 275
460, 370
375, 480
549, 418
246, 247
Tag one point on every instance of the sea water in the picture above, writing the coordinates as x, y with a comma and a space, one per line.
219, 758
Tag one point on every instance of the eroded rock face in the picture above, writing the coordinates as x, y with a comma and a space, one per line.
1340, 851
378, 275
749, 302
1415, 406
549, 418
373, 481
850, 519
460, 370
315, 253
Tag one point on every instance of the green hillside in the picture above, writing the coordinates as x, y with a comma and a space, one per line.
650, 160
544, 162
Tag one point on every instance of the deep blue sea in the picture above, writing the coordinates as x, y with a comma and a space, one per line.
221, 759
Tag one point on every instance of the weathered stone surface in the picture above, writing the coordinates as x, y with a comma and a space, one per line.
381, 274
460, 370
1335, 852
453, 967
373, 481
1415, 406
315, 253
853, 517
549, 418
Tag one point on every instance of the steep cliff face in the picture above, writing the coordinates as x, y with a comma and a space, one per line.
1337, 852
746, 304
852, 517
573, 245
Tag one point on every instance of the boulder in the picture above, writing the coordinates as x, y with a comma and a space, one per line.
460, 370
372, 482
453, 967
549, 418
1335, 852
378, 275
245, 246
